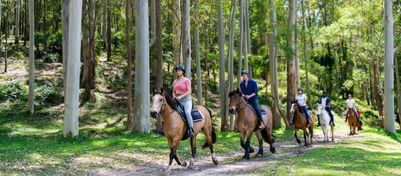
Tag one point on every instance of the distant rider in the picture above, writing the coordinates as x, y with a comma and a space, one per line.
325, 101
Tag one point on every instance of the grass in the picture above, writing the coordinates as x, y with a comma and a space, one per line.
371, 152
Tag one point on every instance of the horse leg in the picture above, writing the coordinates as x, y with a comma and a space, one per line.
247, 146
306, 137
325, 132
350, 130
332, 132
193, 150
260, 143
311, 134
296, 137
269, 137
208, 134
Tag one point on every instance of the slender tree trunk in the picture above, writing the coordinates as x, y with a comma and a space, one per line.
206, 61
187, 39
153, 19
197, 55
296, 49
142, 94
248, 27
7, 32
241, 36
224, 119
159, 54
397, 77
89, 63
26, 23
129, 67
54, 17
305, 56
104, 31
31, 95
176, 31
72, 86
65, 27
291, 61
389, 124
246, 30
1, 40
17, 21
273, 63
231, 56
108, 32
44, 15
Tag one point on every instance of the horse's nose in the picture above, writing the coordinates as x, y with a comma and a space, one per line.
153, 113
232, 110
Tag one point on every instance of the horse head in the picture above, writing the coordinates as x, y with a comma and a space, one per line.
234, 97
158, 101
319, 109
294, 106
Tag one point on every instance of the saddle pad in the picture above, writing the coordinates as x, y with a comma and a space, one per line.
196, 116
262, 111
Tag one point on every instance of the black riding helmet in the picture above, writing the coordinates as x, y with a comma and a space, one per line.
180, 67
245, 72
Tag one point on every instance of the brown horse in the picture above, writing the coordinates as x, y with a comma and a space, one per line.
300, 123
247, 121
174, 127
353, 121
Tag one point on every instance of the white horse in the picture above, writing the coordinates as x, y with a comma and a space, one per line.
325, 122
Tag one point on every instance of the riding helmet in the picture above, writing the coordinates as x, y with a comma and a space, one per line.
349, 95
180, 67
245, 72
325, 91
300, 89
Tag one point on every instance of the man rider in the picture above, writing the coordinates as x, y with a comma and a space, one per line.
325, 101
351, 104
249, 90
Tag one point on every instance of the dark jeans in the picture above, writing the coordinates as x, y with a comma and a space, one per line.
305, 111
255, 105
356, 114
329, 112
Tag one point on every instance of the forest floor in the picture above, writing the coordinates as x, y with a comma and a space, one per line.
32, 145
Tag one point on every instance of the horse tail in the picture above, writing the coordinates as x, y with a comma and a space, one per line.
214, 135
265, 136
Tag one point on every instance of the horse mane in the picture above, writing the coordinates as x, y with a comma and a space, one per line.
170, 101
232, 93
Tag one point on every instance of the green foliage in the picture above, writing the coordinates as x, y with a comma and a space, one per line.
47, 94
13, 90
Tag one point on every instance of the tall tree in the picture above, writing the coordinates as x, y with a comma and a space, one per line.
17, 21
187, 38
397, 77
65, 7
31, 95
197, 54
224, 119
129, 67
142, 94
290, 60
389, 124
230, 65
153, 19
273, 62
74, 63
88, 78
159, 54
246, 30
305, 56
176, 31
241, 39
108, 30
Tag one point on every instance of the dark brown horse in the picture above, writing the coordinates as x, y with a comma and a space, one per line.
174, 127
247, 121
300, 123
353, 121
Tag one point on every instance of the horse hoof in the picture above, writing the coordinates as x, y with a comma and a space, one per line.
299, 141
167, 171
251, 150
216, 162
184, 163
273, 149
245, 157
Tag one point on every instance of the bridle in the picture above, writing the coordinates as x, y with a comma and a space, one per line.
239, 104
162, 109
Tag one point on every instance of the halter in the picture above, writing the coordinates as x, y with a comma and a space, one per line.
239, 104
162, 108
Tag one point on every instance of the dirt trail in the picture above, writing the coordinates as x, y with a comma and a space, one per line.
229, 164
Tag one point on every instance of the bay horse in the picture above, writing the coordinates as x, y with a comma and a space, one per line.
353, 121
175, 128
324, 117
247, 121
300, 123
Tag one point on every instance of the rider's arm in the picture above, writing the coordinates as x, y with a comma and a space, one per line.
304, 103
255, 90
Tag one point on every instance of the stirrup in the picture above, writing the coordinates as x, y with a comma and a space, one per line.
261, 126
191, 133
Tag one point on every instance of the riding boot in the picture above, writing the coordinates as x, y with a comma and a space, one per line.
191, 133
332, 121
308, 122
345, 118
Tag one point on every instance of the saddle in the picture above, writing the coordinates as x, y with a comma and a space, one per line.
196, 116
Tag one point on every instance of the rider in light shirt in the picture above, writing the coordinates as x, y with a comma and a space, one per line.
301, 99
351, 104
326, 104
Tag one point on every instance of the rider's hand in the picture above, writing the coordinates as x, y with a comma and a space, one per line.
178, 98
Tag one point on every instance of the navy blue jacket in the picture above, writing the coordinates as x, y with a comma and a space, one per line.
251, 88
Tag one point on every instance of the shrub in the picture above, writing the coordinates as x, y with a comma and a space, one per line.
47, 94
13, 90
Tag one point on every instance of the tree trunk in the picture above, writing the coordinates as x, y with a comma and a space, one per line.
88, 53
397, 77
245, 47
129, 67
159, 54
104, 31
291, 61
224, 119
305, 57
153, 19
176, 31
296, 49
248, 27
72, 86
389, 124
241, 36
206, 62
7, 32
31, 95
187, 39
54, 17
197, 55
44, 15
142, 94
231, 56
108, 32
26, 25
65, 29
17, 22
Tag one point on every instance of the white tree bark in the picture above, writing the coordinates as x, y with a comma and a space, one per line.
142, 92
197, 55
248, 27
153, 19
176, 31
74, 64
241, 39
31, 95
65, 6
231, 56
246, 30
389, 125
305, 56
224, 118
187, 39
18, 9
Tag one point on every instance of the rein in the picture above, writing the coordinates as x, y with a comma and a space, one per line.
239, 104
162, 109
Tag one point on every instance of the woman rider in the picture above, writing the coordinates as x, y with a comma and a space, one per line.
301, 99
182, 92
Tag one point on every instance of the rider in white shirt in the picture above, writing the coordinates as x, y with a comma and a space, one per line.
351, 104
301, 99
326, 104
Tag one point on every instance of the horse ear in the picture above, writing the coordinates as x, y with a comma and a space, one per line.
161, 89
238, 89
